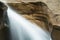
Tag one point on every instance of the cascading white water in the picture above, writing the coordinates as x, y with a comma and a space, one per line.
22, 29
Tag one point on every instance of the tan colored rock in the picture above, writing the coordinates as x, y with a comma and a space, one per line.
36, 12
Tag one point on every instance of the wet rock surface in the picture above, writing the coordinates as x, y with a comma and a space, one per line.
4, 30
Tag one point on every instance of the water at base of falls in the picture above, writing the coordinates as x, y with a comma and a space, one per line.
22, 29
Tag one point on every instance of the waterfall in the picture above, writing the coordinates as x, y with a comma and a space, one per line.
23, 29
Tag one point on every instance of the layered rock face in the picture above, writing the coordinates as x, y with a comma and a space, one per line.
36, 12
54, 5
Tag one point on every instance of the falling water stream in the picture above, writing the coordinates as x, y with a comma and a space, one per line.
23, 29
